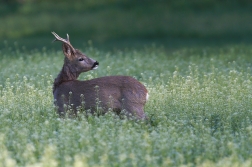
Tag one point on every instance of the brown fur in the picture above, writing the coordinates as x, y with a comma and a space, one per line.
118, 93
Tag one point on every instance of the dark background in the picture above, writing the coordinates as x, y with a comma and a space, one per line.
126, 23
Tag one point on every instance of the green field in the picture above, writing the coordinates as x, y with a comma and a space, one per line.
194, 57
126, 23
199, 108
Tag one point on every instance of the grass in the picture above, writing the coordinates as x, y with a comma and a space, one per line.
199, 108
199, 83
105, 22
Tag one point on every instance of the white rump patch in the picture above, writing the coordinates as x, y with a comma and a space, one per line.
147, 96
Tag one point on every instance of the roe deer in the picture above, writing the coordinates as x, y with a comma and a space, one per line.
118, 93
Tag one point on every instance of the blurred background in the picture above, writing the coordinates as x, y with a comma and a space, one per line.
126, 23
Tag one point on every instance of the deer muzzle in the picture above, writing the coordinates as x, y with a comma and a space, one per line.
95, 65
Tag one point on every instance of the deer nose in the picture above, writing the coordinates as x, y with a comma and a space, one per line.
95, 65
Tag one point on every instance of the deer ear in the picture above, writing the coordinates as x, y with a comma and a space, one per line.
68, 52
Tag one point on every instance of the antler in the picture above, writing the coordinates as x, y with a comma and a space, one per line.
66, 41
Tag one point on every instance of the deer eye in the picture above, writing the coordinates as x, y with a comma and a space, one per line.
81, 59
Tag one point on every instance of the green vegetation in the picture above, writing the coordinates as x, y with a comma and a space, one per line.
129, 22
198, 73
199, 108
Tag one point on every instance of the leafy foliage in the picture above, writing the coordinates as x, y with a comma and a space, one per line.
199, 109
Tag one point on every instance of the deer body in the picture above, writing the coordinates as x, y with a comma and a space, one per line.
118, 93
112, 92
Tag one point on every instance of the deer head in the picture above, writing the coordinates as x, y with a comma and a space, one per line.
75, 60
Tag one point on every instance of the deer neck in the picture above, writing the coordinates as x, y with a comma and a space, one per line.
66, 74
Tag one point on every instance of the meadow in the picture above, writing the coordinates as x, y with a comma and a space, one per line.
194, 57
200, 109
